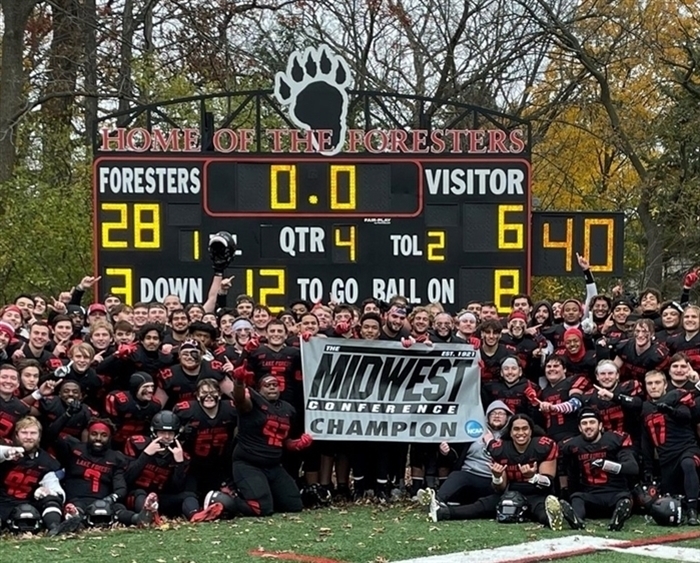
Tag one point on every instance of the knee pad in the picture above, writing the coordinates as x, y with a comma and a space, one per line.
688, 464
51, 504
50, 501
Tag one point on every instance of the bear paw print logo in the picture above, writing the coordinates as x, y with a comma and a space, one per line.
315, 89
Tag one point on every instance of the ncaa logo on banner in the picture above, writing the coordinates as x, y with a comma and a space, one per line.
474, 429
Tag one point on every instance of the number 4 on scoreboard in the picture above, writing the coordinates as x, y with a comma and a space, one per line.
344, 236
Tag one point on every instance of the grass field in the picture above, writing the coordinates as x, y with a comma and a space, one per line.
357, 534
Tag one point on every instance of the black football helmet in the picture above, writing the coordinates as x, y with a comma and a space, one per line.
644, 495
667, 511
24, 518
165, 421
512, 508
100, 514
222, 248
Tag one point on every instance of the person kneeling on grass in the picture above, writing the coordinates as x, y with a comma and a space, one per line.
262, 484
473, 478
597, 464
524, 463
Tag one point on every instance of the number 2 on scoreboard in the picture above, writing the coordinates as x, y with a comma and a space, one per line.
278, 287
146, 231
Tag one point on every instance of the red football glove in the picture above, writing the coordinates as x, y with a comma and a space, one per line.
422, 337
54, 363
251, 345
474, 341
301, 443
126, 350
306, 336
691, 278
342, 328
243, 374
407, 342
531, 396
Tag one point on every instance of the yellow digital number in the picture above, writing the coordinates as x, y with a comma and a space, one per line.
195, 244
275, 171
436, 248
108, 226
566, 244
609, 225
126, 290
350, 242
505, 227
351, 203
505, 289
141, 225
279, 288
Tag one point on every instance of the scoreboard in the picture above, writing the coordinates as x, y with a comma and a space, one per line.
429, 227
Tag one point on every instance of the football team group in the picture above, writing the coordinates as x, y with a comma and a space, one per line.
121, 413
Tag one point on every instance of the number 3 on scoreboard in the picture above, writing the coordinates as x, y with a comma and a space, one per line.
278, 287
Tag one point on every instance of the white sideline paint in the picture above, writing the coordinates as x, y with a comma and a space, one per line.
507, 553
571, 545
689, 554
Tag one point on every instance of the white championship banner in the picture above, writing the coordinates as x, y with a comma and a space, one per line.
376, 390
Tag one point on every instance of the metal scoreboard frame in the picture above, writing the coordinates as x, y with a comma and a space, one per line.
336, 196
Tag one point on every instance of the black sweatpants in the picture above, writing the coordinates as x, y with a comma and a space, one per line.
486, 508
598, 504
464, 488
264, 490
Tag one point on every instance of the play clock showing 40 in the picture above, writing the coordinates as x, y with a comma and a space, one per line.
433, 229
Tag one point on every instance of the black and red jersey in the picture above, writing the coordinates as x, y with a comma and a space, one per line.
19, 479
11, 410
524, 347
514, 396
491, 363
90, 475
131, 417
263, 430
578, 455
90, 383
664, 334
223, 351
539, 450
209, 438
285, 365
555, 334
689, 346
585, 367
181, 386
621, 413
46, 359
52, 408
612, 339
635, 364
669, 432
158, 473
560, 425
120, 369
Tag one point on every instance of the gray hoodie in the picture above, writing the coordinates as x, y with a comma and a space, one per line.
477, 460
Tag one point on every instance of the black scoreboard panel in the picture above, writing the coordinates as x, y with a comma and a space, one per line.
558, 236
432, 229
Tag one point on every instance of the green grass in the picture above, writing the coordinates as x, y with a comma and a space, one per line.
358, 534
